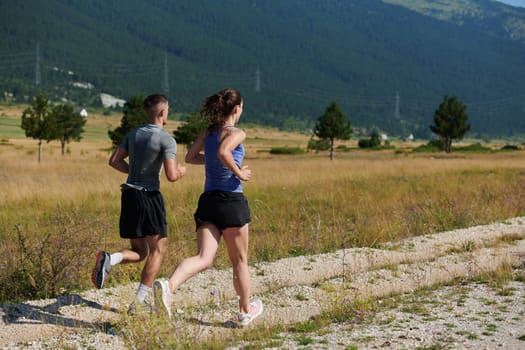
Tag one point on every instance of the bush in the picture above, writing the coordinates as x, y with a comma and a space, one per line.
431, 146
510, 148
369, 143
286, 150
343, 148
475, 147
318, 145
49, 263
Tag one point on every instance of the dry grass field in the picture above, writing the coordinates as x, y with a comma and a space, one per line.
55, 215
68, 205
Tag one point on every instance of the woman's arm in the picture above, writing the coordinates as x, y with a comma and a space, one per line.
225, 154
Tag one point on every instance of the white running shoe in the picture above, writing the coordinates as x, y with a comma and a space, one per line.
256, 309
162, 296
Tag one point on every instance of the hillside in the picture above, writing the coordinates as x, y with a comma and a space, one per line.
386, 63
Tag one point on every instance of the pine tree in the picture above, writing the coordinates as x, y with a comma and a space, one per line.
187, 133
333, 125
38, 122
69, 125
450, 122
133, 117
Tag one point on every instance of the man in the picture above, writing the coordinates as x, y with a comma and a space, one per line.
143, 215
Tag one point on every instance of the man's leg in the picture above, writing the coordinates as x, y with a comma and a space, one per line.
106, 261
157, 249
137, 253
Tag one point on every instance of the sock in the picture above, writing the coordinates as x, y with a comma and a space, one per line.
142, 292
116, 258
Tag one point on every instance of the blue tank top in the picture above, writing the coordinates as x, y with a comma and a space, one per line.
218, 176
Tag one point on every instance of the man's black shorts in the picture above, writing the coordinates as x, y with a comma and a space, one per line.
222, 209
142, 213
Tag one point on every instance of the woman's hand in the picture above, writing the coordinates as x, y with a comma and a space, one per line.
244, 173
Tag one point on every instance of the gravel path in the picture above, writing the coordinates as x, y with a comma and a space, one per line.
472, 316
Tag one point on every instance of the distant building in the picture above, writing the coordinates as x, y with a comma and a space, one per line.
111, 101
82, 111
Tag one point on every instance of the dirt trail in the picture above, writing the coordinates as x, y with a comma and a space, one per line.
289, 288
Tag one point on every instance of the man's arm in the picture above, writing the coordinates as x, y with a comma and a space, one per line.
195, 155
173, 170
117, 160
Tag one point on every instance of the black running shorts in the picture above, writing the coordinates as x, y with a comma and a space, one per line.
222, 209
142, 214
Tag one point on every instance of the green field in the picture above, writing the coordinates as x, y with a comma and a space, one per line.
97, 130
10, 127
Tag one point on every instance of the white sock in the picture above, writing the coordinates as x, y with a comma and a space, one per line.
116, 258
143, 291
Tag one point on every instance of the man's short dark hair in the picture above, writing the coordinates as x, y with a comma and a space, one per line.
153, 100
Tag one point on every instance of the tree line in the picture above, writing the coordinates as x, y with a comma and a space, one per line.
44, 122
450, 124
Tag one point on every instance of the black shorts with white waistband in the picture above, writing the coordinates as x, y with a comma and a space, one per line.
222, 209
142, 213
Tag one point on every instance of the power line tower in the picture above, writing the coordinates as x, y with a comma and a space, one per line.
165, 82
38, 78
258, 80
397, 114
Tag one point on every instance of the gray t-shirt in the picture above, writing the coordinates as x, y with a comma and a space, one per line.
148, 146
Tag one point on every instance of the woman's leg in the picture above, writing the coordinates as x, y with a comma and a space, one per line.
208, 237
236, 239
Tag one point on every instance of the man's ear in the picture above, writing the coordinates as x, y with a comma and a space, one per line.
164, 112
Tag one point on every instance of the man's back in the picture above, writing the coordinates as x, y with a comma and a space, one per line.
148, 146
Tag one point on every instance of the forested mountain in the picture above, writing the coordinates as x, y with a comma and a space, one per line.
388, 63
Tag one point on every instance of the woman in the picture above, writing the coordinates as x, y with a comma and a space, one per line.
222, 210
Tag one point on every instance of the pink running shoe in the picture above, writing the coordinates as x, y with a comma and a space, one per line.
256, 309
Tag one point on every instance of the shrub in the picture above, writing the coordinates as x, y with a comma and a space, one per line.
475, 147
373, 142
343, 148
49, 263
318, 145
432, 146
510, 148
286, 150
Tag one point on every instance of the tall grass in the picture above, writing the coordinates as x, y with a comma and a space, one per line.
300, 204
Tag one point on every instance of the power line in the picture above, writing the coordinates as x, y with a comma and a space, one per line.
397, 114
10, 61
258, 80
38, 77
166, 85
